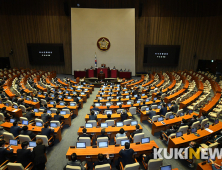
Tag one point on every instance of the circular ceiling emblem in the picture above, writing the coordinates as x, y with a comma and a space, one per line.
103, 43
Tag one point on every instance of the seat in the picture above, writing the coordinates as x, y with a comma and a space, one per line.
110, 122
85, 139
55, 121
36, 99
73, 103
22, 107
154, 164
120, 110
154, 106
9, 102
23, 118
53, 110
127, 122
41, 110
167, 116
8, 136
203, 122
143, 108
45, 139
214, 115
18, 166
154, 118
132, 110
102, 139
134, 166
138, 137
118, 140
212, 145
183, 129
2, 118
67, 111
196, 125
24, 138
68, 167
179, 112
43, 102
53, 102
103, 167
93, 122
39, 120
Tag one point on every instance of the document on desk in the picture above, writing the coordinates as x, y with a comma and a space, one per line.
209, 130
15, 110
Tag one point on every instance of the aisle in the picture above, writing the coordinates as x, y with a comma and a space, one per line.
57, 156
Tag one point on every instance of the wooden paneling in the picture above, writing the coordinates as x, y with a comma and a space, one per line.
195, 25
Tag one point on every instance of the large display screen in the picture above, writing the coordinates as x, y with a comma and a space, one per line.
44, 54
161, 55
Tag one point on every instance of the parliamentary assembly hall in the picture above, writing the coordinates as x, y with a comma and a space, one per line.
110, 84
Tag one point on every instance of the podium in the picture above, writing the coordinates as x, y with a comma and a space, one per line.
101, 76
105, 71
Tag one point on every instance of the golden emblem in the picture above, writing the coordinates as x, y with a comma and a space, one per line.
103, 43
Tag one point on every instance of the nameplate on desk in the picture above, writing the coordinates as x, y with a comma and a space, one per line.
209, 130
15, 110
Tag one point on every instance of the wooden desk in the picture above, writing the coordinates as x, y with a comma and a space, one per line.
158, 126
67, 117
71, 100
173, 96
208, 166
112, 149
34, 129
16, 112
34, 104
111, 131
74, 108
178, 142
190, 100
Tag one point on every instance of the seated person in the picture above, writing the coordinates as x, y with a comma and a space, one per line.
183, 123
44, 107
108, 117
151, 113
26, 132
102, 160
95, 108
92, 116
15, 129
126, 155
194, 119
163, 109
216, 138
84, 130
30, 114
214, 165
4, 151
169, 131
24, 155
204, 116
174, 108
6, 115
75, 99
45, 116
47, 98
58, 117
103, 131
138, 130
75, 162
114, 68
123, 116
144, 104
121, 133
47, 131
150, 156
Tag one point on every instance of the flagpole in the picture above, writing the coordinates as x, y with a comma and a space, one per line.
95, 61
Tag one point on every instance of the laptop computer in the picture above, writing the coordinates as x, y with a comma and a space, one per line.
193, 130
15, 106
147, 109
206, 125
7, 104
109, 112
128, 103
104, 125
216, 121
127, 97
52, 102
179, 134
108, 104
36, 110
80, 144
119, 124
13, 142
133, 123
126, 92
124, 141
135, 95
155, 98
171, 117
12, 120
34, 100
97, 104
72, 104
60, 96
143, 94
25, 122
118, 103
159, 107
160, 119
69, 97
145, 140
53, 125
79, 98
61, 104
63, 112
39, 124
82, 93
32, 144
88, 125
147, 100
103, 144
27, 98
167, 167
138, 101
49, 111
182, 114
169, 104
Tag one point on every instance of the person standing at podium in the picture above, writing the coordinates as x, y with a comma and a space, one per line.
101, 71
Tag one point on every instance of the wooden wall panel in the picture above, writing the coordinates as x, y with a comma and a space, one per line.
195, 25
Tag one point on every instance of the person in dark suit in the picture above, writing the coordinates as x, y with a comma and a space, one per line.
6, 115
46, 131
119, 93
15, 129
14, 99
4, 151
84, 134
95, 108
169, 131
45, 117
47, 98
136, 131
204, 116
194, 119
75, 99
26, 132
151, 113
126, 155
216, 138
30, 114
102, 160
124, 116
75, 162
24, 155
183, 123
108, 117
44, 107
92, 116
150, 156
174, 107
163, 109
103, 131
39, 155
56, 99
58, 117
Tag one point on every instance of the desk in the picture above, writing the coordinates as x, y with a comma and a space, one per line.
126, 75
80, 74
95, 131
190, 100
173, 96
158, 126
67, 117
114, 73
112, 149
16, 112
105, 71
34, 129
90, 73
208, 166
75, 108
34, 104
178, 142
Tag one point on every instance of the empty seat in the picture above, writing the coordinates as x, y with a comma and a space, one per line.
24, 138
93, 122
138, 137
85, 139
127, 121
110, 122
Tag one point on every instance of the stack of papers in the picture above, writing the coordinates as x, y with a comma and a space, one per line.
209, 130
